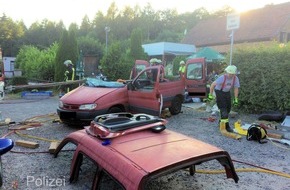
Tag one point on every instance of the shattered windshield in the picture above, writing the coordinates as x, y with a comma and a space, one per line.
94, 82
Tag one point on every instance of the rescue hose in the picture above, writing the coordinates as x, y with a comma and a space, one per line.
257, 169
245, 170
228, 134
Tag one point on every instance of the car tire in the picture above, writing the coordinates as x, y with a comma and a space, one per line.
176, 105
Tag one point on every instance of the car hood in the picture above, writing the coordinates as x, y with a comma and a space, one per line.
86, 95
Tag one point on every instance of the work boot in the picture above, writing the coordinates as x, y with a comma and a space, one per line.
228, 128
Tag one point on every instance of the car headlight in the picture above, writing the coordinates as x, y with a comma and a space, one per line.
88, 106
60, 104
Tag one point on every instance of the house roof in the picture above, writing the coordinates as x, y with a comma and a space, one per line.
162, 48
256, 25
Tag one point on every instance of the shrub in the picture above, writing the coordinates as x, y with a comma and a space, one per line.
264, 78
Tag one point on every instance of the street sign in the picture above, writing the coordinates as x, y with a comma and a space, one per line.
233, 21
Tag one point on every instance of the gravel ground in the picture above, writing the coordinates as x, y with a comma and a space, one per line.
25, 168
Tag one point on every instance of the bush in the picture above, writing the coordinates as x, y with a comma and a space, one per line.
18, 81
264, 78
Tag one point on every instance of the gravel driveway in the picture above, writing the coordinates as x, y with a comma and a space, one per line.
25, 168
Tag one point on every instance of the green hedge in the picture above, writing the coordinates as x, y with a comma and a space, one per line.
18, 81
264, 77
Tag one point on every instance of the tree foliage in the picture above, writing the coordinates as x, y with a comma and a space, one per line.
114, 64
68, 49
137, 52
37, 64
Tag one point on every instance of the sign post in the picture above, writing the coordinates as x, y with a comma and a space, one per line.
233, 23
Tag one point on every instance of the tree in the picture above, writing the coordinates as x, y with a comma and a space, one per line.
137, 52
11, 34
90, 46
44, 34
37, 64
67, 50
114, 64
85, 27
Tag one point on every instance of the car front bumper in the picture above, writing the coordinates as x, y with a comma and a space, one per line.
78, 117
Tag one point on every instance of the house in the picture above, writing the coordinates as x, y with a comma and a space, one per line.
257, 26
9, 70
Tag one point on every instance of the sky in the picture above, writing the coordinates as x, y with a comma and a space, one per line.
73, 11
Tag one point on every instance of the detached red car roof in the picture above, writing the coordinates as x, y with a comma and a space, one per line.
135, 158
153, 151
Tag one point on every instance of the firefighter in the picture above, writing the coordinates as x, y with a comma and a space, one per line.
70, 72
181, 68
155, 62
222, 87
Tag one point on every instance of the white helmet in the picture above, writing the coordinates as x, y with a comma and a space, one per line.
68, 62
153, 60
182, 63
231, 69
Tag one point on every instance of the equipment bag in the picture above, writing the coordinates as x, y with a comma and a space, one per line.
256, 133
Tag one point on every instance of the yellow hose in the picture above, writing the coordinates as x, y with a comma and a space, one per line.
239, 129
228, 134
244, 170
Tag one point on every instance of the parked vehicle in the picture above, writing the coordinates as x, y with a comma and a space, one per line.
148, 93
140, 159
199, 75
196, 77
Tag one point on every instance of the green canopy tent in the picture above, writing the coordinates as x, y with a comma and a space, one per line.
210, 55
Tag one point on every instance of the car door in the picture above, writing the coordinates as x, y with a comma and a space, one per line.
139, 66
195, 77
143, 93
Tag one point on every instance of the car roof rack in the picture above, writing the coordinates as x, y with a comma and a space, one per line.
116, 124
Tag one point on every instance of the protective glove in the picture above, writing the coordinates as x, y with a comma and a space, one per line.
209, 97
236, 102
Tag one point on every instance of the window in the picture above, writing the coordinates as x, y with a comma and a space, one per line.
108, 182
194, 71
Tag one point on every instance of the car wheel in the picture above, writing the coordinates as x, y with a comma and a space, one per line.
115, 110
175, 106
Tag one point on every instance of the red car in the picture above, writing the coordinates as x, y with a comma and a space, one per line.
146, 93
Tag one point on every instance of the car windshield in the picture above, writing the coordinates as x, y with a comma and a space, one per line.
94, 82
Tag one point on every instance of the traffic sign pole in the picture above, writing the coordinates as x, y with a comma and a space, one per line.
232, 44
233, 22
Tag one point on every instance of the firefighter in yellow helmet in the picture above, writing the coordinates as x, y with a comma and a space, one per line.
181, 69
70, 72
